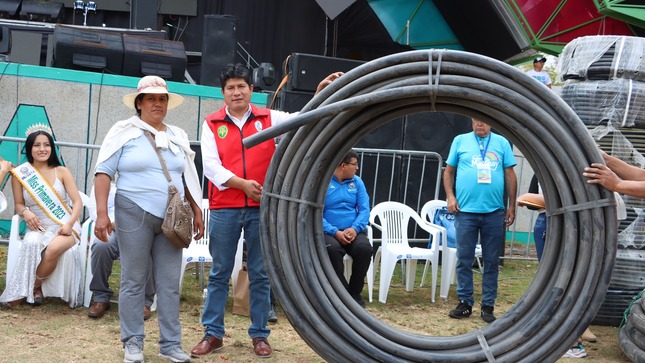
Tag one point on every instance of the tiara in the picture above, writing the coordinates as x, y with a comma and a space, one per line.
38, 127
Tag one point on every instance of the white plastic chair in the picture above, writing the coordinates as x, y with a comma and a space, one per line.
348, 261
198, 251
448, 254
15, 242
394, 218
87, 233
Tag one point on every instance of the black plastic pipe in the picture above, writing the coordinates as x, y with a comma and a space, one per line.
573, 277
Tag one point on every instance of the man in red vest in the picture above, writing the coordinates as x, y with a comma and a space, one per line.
236, 175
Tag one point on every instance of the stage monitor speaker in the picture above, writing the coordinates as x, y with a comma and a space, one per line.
38, 10
307, 70
9, 8
292, 101
218, 47
154, 57
88, 50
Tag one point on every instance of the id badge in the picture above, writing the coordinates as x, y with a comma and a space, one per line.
483, 173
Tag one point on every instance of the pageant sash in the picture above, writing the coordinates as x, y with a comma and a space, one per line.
45, 196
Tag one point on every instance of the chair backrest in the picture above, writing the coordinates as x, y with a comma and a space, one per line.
430, 208
206, 214
393, 219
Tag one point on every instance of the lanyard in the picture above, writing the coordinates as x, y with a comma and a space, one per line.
483, 150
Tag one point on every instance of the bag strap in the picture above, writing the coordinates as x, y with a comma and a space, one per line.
161, 160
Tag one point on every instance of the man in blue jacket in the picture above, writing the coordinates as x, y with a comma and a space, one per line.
345, 218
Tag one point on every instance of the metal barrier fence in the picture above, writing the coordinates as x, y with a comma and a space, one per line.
408, 176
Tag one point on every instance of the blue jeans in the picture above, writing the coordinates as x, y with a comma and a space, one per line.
539, 234
225, 227
490, 228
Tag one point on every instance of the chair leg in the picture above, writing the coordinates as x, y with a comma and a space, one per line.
448, 265
184, 263
425, 272
377, 261
410, 274
87, 297
434, 280
347, 271
370, 280
388, 262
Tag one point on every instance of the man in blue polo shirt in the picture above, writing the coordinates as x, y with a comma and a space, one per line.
345, 217
484, 163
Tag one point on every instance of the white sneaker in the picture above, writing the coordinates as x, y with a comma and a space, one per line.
133, 350
176, 354
577, 351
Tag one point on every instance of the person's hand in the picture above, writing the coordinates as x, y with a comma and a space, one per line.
350, 234
328, 80
66, 230
601, 174
252, 189
340, 237
509, 218
198, 224
102, 227
31, 220
5, 166
452, 205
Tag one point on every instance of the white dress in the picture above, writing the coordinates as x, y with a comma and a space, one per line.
66, 280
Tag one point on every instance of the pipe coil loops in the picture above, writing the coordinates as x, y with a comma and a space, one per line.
570, 284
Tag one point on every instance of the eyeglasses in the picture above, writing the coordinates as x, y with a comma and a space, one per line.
354, 164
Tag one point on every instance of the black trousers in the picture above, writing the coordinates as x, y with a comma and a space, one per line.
361, 252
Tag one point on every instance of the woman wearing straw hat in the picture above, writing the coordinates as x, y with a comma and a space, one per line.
140, 206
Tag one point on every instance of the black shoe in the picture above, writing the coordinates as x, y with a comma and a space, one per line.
359, 300
487, 314
273, 317
463, 310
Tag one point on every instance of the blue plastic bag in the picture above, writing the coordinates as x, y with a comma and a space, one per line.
447, 220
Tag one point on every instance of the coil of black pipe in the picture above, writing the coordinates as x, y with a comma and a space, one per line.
573, 277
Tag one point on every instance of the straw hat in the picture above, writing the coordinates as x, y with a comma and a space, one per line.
153, 84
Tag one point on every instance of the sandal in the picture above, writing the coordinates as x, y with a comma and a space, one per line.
12, 304
38, 291
38, 296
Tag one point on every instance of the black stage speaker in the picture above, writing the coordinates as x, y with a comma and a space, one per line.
387, 136
218, 47
292, 101
88, 50
143, 14
5, 37
148, 56
307, 70
434, 131
38, 10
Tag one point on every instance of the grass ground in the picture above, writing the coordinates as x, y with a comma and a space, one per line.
53, 332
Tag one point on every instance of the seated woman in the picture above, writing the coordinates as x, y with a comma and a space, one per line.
49, 259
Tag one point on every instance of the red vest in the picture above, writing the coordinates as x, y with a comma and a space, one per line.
245, 163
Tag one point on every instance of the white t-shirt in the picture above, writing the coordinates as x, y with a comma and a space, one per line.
542, 76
